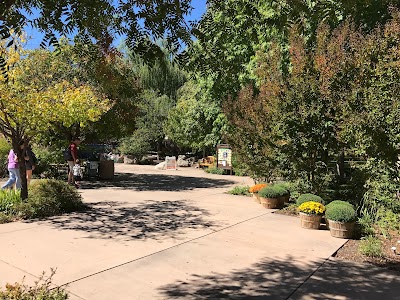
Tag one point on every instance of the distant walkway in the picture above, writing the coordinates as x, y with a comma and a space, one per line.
155, 234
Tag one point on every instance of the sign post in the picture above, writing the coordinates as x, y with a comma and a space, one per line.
224, 157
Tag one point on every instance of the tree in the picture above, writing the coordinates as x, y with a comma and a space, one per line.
231, 32
100, 20
196, 122
30, 104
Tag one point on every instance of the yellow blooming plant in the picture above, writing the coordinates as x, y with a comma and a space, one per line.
312, 208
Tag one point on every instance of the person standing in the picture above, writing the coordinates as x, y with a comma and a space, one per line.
30, 162
73, 159
13, 169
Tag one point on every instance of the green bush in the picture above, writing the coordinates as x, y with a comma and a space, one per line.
42, 290
215, 171
285, 185
309, 197
339, 202
240, 190
4, 150
5, 219
371, 247
273, 191
47, 158
137, 145
9, 201
341, 213
50, 197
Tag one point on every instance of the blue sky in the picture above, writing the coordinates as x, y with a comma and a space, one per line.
199, 8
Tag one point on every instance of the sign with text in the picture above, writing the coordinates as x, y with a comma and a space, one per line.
224, 157
170, 163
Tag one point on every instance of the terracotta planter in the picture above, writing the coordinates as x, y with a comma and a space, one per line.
342, 230
271, 203
310, 221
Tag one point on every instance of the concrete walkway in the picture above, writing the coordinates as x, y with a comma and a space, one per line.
177, 235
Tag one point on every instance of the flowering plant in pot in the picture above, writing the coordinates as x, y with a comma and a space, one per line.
341, 218
255, 189
272, 196
311, 214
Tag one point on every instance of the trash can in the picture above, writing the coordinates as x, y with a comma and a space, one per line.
106, 169
91, 169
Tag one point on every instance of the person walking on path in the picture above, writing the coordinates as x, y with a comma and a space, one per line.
13, 169
72, 159
30, 163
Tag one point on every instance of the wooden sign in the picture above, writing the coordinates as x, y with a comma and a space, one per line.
224, 157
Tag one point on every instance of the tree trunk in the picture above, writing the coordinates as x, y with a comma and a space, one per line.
22, 168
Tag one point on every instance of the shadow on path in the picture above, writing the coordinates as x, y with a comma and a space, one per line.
157, 182
157, 220
279, 278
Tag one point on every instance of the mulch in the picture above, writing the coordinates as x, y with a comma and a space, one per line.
349, 251
389, 260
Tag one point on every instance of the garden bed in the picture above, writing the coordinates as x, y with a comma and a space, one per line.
350, 250
389, 260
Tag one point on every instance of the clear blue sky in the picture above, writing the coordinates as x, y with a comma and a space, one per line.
199, 8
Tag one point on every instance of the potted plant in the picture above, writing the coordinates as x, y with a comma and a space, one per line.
311, 214
309, 197
333, 203
255, 189
272, 196
286, 197
341, 218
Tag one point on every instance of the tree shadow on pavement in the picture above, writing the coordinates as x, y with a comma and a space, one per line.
284, 278
156, 182
157, 220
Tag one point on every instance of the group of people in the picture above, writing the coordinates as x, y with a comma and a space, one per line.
28, 158
30, 161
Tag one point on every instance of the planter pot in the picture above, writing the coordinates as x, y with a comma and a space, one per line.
285, 199
342, 230
271, 203
310, 221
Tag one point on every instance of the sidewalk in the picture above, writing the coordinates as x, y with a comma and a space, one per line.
177, 235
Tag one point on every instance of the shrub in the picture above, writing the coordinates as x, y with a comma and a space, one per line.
371, 247
4, 219
309, 197
50, 197
341, 213
287, 186
137, 145
9, 201
257, 187
272, 191
312, 208
239, 190
46, 158
339, 202
215, 171
42, 290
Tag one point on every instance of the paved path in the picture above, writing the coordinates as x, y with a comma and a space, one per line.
177, 235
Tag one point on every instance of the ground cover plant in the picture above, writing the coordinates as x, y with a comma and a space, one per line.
41, 290
48, 197
240, 190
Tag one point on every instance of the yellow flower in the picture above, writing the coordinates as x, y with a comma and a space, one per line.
312, 208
